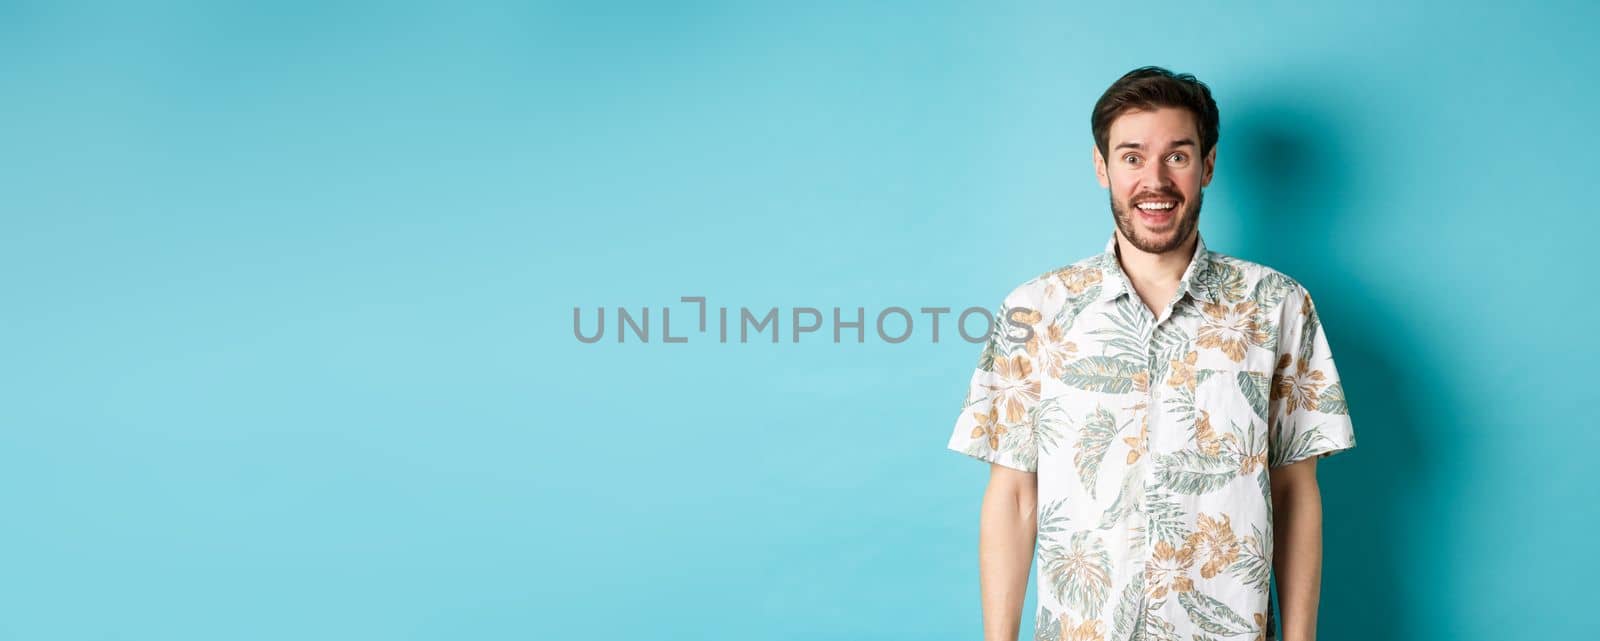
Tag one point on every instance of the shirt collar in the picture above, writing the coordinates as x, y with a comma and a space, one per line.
1194, 280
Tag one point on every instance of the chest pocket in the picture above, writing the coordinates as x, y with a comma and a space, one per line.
1230, 407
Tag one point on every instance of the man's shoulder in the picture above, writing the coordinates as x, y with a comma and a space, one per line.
1079, 279
1261, 283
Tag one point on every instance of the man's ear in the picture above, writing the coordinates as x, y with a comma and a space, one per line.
1210, 166
1100, 168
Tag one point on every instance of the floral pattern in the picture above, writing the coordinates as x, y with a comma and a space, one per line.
1214, 543
1014, 388
1152, 435
1169, 569
1230, 329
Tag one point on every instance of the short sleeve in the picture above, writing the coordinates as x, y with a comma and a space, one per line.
1309, 416
1003, 394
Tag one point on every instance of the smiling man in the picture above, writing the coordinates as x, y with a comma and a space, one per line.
1153, 441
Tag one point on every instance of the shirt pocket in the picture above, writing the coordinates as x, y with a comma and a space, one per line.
1230, 408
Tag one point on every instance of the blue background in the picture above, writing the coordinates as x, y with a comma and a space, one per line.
288, 292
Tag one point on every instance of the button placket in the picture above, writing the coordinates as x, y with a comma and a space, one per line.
1146, 463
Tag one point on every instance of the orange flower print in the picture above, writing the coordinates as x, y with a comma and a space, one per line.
1230, 328
1078, 278
1028, 316
1169, 569
1183, 371
1014, 390
1214, 541
1210, 443
1249, 462
1053, 353
1139, 444
1141, 381
1300, 388
987, 426
1261, 627
1089, 630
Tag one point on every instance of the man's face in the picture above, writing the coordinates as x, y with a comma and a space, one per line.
1154, 178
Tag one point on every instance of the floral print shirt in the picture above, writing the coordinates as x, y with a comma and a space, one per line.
1151, 436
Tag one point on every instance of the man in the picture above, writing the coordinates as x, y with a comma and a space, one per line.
1153, 414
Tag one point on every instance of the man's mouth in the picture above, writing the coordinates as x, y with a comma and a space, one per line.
1157, 211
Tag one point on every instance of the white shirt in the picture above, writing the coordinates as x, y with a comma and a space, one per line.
1151, 437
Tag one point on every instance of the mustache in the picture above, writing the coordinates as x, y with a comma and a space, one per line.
1152, 194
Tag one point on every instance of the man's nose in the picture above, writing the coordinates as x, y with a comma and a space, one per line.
1160, 176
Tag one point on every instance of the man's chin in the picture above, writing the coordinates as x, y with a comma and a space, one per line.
1161, 234
1157, 241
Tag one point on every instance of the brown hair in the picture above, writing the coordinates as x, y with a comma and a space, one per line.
1151, 87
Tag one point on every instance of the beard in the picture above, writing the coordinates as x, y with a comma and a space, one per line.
1183, 224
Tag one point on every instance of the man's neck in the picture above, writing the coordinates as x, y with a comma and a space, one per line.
1157, 272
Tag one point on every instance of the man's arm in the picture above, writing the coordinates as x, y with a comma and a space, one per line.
1006, 530
1297, 546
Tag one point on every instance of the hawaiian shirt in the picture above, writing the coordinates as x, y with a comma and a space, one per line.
1151, 436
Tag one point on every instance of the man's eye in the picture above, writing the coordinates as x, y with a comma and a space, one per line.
1130, 159
1178, 157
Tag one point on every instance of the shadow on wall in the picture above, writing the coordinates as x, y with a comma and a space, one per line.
1296, 179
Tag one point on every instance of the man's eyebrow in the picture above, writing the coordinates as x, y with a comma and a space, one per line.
1175, 144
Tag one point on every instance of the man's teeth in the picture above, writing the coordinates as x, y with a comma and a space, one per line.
1148, 206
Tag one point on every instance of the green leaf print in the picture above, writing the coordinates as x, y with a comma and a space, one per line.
1167, 519
1129, 607
1124, 334
1094, 438
1046, 627
1180, 402
1127, 498
1308, 334
1225, 280
1331, 401
1053, 519
1191, 472
1080, 572
1155, 627
1075, 305
1297, 448
1248, 443
1270, 291
1102, 374
1274, 332
1264, 480
1254, 566
1213, 615
1173, 337
1039, 431
1254, 387
1048, 421
998, 346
